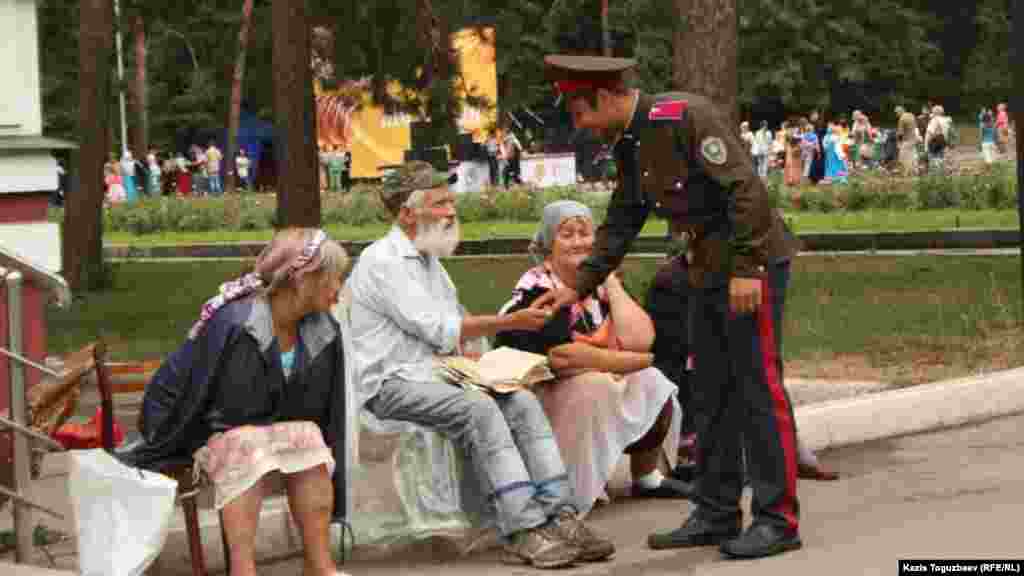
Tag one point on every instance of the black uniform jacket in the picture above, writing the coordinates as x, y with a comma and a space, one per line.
682, 158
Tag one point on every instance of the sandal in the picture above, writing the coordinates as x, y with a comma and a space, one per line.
818, 472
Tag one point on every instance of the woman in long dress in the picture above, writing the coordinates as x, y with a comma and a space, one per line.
184, 176
608, 399
835, 166
859, 150
112, 179
818, 165
794, 164
131, 190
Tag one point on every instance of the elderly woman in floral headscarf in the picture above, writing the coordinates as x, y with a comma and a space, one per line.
608, 399
256, 388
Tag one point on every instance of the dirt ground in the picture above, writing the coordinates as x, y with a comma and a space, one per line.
916, 365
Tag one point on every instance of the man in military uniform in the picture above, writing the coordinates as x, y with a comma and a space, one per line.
679, 155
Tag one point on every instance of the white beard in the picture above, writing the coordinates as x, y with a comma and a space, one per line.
437, 237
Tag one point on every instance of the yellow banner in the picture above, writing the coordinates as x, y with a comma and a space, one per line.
347, 119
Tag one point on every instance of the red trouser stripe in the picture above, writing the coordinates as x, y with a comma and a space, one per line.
783, 413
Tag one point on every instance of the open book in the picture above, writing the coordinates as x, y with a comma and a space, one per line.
502, 371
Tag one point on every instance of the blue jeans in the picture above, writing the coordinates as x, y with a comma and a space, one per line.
761, 165
507, 438
215, 185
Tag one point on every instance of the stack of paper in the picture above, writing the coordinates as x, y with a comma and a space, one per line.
503, 371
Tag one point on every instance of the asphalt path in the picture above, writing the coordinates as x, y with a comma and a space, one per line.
951, 494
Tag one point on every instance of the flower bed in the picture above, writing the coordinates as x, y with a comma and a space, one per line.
994, 188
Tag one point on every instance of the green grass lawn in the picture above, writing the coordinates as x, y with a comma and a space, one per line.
803, 222
902, 319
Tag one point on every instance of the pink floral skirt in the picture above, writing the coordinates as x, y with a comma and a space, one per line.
236, 460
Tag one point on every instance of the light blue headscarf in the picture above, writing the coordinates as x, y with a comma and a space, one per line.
554, 214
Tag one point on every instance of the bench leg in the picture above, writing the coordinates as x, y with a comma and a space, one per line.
195, 541
224, 543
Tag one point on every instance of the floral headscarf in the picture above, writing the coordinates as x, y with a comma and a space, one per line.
286, 257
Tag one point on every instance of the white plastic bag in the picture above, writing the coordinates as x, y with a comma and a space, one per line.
122, 514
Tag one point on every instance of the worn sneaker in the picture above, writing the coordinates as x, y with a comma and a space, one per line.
593, 548
540, 547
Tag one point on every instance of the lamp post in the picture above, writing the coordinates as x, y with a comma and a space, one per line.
606, 34
1016, 13
120, 78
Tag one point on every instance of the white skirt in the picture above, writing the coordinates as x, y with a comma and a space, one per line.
596, 415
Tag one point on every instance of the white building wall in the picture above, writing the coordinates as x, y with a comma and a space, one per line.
20, 106
27, 171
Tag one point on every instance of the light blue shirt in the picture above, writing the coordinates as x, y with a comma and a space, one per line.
404, 312
988, 134
288, 362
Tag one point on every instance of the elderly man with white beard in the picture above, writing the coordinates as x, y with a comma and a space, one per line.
404, 312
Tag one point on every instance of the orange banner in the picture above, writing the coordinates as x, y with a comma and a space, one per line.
347, 118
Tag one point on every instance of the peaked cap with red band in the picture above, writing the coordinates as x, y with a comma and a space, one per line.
571, 73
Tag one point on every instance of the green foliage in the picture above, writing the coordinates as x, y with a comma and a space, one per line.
856, 196
794, 54
896, 198
936, 192
994, 189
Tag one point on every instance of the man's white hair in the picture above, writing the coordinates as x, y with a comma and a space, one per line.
416, 200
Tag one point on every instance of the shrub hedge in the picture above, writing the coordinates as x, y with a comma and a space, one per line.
994, 188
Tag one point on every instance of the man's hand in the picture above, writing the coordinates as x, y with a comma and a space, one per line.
744, 295
528, 319
554, 300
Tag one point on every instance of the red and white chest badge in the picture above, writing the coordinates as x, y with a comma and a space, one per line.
667, 110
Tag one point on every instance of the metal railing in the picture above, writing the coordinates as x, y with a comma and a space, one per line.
23, 436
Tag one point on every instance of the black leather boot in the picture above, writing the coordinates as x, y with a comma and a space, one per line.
698, 530
761, 539
685, 472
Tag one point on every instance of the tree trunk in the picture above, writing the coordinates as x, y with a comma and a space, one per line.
606, 33
298, 187
235, 109
141, 99
440, 70
705, 51
83, 226
1015, 52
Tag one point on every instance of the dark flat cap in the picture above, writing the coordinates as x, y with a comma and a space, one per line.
399, 182
570, 72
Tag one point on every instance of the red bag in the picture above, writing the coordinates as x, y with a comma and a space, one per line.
78, 436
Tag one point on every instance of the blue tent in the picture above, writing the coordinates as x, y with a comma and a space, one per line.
255, 136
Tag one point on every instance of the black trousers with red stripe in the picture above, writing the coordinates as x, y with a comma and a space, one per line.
740, 405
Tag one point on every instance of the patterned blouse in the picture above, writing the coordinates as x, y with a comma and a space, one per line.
582, 318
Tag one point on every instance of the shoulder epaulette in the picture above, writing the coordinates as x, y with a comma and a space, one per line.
668, 110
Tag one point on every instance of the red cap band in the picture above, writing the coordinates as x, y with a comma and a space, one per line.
570, 86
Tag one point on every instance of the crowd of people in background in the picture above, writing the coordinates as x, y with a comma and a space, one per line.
335, 168
504, 152
812, 150
201, 173
804, 149
198, 174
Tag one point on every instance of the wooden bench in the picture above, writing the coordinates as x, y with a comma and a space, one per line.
130, 378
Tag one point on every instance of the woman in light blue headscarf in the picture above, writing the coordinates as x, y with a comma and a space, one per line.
608, 399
